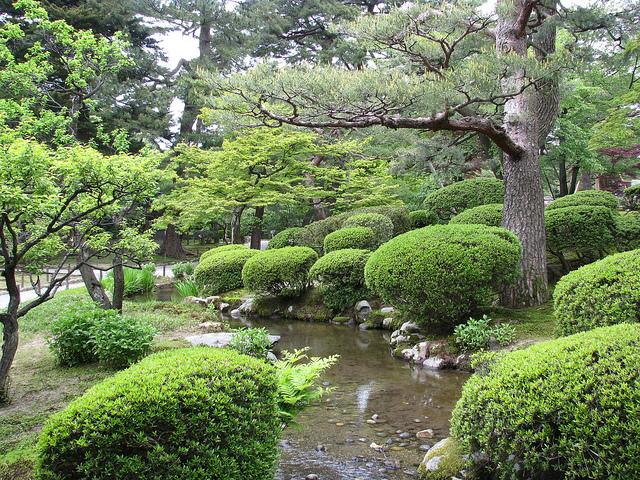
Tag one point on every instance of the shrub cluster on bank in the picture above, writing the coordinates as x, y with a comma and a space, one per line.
220, 269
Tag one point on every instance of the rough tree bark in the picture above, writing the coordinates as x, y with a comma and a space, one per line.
10, 334
236, 216
172, 244
524, 194
256, 232
94, 287
118, 283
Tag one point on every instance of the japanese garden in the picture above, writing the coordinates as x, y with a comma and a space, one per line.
320, 239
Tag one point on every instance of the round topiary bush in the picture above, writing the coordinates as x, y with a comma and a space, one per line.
223, 248
627, 231
490, 215
341, 277
457, 197
355, 237
190, 413
313, 235
585, 230
279, 272
380, 224
422, 218
596, 198
441, 274
285, 238
602, 293
566, 408
222, 271
398, 214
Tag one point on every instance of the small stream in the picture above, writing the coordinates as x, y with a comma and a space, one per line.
333, 438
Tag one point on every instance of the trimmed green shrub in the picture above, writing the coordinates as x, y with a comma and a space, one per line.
422, 218
71, 338
441, 274
596, 198
627, 232
313, 235
341, 277
490, 215
223, 248
119, 341
566, 408
279, 272
285, 238
380, 224
189, 413
632, 197
602, 293
182, 270
354, 237
585, 230
222, 272
398, 214
251, 341
457, 197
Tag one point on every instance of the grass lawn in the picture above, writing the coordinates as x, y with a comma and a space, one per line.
40, 387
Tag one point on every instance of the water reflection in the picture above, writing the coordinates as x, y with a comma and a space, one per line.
334, 437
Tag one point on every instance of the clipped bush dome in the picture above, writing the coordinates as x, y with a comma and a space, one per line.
223, 248
602, 293
285, 238
222, 271
380, 224
566, 408
190, 414
423, 218
457, 197
341, 277
596, 198
490, 215
279, 272
442, 273
355, 237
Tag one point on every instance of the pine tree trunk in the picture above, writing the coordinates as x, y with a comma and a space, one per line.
319, 211
256, 232
10, 336
172, 244
524, 196
236, 216
118, 283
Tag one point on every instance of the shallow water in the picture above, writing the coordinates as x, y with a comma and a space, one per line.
333, 438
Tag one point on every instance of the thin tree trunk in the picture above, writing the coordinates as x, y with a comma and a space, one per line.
94, 287
10, 336
256, 232
574, 179
562, 178
236, 216
319, 211
524, 194
172, 244
118, 283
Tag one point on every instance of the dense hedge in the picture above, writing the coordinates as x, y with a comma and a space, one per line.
380, 224
596, 198
457, 197
422, 218
398, 214
490, 214
285, 238
191, 414
341, 277
223, 248
566, 408
354, 237
586, 230
279, 272
599, 294
627, 231
313, 235
222, 271
632, 197
442, 273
